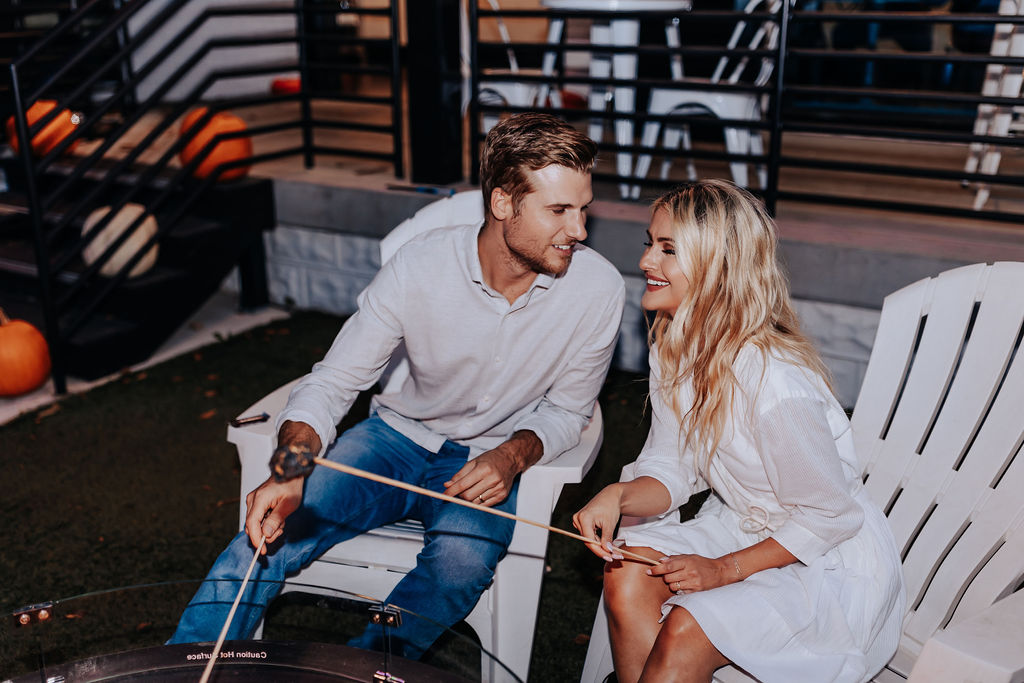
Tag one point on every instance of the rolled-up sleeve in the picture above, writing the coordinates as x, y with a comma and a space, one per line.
568, 405
355, 361
804, 469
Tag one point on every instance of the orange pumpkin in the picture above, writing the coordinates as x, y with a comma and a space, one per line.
51, 134
225, 151
24, 357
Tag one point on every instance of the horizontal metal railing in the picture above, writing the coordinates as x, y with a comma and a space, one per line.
901, 96
60, 201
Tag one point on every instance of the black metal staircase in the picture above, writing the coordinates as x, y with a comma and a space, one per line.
107, 327
113, 61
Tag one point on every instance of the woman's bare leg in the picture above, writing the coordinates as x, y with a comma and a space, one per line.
681, 652
633, 603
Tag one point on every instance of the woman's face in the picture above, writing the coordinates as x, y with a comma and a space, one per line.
666, 284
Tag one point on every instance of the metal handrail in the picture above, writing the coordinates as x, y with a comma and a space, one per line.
930, 111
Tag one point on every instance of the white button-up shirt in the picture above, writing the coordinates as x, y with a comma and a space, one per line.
480, 368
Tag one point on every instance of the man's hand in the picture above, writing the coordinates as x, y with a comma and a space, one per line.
267, 506
271, 502
487, 479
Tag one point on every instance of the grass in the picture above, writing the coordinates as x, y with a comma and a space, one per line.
134, 483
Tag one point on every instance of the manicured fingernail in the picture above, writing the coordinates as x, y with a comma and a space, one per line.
618, 557
606, 558
648, 572
662, 559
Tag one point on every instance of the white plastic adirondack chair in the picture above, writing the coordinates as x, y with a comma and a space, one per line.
939, 427
372, 564
1001, 80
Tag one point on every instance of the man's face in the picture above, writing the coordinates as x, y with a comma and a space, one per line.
551, 220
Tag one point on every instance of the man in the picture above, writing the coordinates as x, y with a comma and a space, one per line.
509, 330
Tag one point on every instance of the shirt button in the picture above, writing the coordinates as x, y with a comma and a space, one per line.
486, 399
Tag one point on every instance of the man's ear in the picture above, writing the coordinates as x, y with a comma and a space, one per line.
501, 204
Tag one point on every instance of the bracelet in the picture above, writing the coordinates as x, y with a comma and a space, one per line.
735, 563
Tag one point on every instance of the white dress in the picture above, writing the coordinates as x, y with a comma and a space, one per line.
786, 470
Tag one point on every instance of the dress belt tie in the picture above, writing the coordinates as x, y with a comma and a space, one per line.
756, 520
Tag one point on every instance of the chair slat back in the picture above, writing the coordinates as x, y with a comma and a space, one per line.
938, 427
767, 33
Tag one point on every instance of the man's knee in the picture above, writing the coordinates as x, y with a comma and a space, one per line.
459, 559
236, 557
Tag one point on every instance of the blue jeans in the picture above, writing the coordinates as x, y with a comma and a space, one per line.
461, 547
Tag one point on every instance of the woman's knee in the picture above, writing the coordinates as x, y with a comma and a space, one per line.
680, 625
683, 641
628, 590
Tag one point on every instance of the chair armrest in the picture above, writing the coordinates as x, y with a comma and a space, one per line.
541, 485
255, 442
985, 647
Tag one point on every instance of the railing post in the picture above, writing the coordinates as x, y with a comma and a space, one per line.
396, 92
304, 81
35, 212
125, 64
435, 120
474, 91
775, 141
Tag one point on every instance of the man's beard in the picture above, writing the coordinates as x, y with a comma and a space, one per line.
538, 264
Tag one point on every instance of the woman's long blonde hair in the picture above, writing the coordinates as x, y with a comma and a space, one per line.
725, 243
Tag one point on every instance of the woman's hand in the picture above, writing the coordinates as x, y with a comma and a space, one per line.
692, 573
598, 519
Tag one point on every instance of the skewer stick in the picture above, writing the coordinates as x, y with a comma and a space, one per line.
459, 501
231, 614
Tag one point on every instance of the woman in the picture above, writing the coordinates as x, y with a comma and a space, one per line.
788, 571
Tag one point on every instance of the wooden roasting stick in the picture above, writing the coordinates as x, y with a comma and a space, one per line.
231, 615
459, 501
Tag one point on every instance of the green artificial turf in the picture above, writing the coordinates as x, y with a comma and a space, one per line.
134, 483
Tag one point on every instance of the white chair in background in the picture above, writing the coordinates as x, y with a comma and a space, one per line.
1001, 80
615, 32
939, 429
506, 93
722, 104
372, 564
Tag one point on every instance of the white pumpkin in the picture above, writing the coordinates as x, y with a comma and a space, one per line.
125, 217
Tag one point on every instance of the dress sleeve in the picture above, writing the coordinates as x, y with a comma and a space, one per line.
661, 457
804, 469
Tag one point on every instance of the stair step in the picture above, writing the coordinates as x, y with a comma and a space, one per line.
140, 313
102, 330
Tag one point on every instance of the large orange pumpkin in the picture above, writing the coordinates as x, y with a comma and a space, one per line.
24, 357
225, 151
51, 134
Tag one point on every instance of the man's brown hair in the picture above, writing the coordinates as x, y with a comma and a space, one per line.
530, 142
